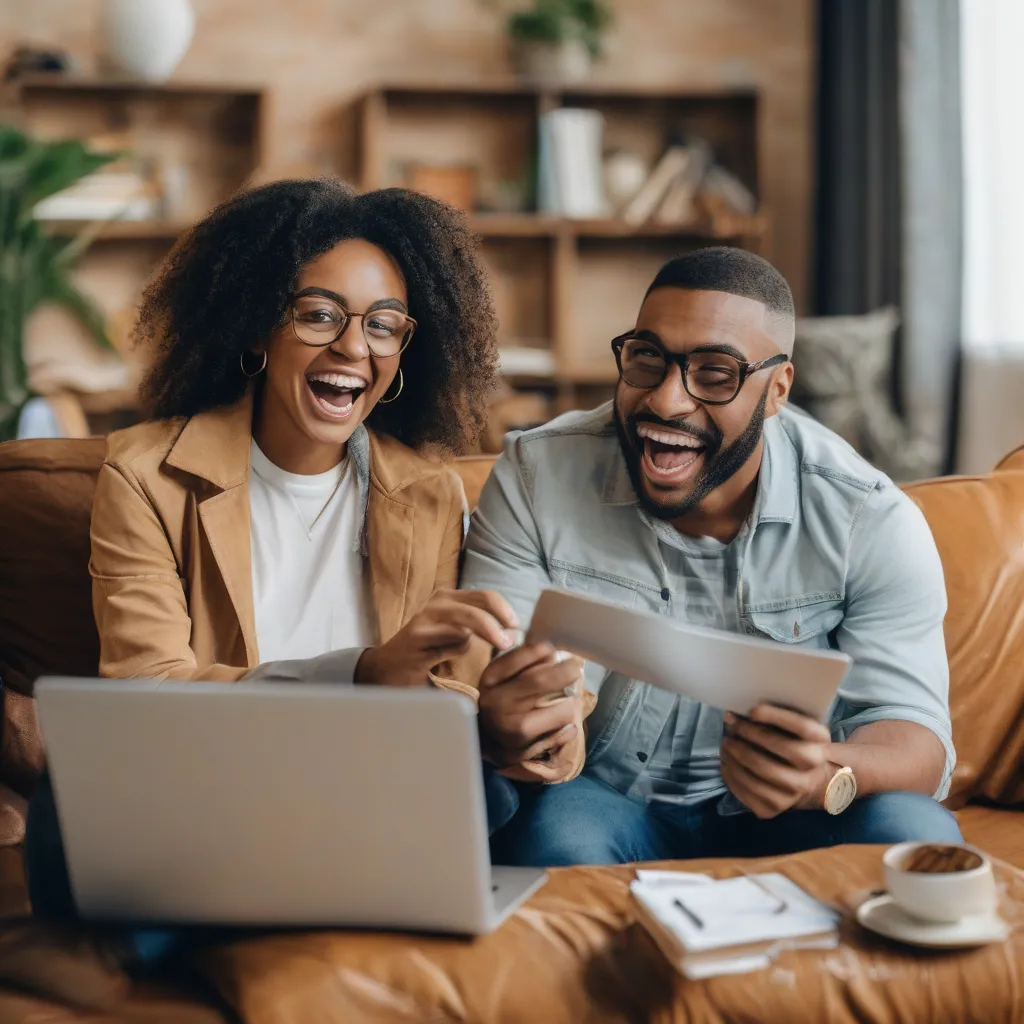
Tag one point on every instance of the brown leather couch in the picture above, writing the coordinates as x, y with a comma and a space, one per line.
572, 954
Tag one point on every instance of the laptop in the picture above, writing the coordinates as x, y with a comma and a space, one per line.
274, 805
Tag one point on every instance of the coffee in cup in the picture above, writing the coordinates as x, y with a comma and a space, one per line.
940, 882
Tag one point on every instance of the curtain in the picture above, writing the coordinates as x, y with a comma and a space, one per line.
858, 229
888, 219
992, 77
932, 220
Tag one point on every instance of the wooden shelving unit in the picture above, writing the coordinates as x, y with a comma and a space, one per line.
213, 134
562, 288
567, 286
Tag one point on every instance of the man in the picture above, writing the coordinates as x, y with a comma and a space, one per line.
698, 495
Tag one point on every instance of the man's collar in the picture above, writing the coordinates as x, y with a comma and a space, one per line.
778, 489
618, 487
778, 484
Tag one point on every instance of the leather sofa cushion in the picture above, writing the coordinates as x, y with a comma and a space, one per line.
474, 470
997, 830
573, 954
1013, 460
978, 525
46, 623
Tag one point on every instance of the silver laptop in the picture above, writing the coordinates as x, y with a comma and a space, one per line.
261, 804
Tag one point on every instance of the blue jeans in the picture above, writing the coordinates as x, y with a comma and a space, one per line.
50, 888
588, 822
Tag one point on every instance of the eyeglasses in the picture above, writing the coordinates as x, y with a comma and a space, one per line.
710, 376
319, 321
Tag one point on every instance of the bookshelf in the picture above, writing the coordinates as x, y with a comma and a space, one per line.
562, 287
212, 135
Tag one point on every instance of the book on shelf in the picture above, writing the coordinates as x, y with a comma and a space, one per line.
721, 184
707, 927
679, 205
570, 174
641, 207
103, 195
526, 361
687, 187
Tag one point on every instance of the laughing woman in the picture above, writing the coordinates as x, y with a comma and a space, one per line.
279, 517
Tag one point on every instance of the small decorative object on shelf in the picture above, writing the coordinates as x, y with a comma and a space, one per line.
147, 38
624, 175
555, 41
29, 60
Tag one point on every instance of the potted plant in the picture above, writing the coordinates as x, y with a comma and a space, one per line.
35, 268
555, 41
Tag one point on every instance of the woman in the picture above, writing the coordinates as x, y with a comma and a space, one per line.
277, 517
256, 519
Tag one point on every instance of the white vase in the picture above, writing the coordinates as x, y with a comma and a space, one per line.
147, 38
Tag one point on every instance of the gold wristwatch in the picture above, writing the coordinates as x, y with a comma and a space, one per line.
840, 791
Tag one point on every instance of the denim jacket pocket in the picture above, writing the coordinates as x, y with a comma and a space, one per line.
594, 583
810, 624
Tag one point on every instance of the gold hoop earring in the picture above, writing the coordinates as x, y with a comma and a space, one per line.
255, 373
401, 384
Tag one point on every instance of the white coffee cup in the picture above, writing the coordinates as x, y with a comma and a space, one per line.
944, 896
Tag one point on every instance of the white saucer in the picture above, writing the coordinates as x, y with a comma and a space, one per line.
882, 916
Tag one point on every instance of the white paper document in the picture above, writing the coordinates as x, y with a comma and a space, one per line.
727, 670
732, 925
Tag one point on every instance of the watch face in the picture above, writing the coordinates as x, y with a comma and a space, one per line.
841, 791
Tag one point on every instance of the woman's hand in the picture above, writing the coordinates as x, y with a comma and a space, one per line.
442, 630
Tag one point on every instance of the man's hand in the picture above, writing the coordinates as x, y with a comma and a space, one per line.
525, 710
775, 760
442, 630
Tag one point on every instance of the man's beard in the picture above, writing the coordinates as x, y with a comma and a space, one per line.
720, 464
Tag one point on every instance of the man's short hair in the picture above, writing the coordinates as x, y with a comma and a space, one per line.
722, 268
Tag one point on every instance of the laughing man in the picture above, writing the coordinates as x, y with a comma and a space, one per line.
700, 496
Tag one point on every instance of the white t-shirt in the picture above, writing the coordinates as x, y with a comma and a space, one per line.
309, 590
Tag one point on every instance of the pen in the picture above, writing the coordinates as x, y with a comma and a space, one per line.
689, 913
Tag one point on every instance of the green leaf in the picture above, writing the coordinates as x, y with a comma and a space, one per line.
559, 21
13, 144
35, 267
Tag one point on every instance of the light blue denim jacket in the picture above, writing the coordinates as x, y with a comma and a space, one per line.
835, 555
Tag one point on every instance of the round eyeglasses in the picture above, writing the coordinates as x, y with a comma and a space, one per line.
319, 321
710, 376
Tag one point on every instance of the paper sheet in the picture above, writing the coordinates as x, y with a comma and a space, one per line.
726, 670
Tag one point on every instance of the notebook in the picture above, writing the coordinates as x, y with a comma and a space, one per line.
706, 927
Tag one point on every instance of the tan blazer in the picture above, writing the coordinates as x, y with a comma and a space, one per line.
171, 556
171, 564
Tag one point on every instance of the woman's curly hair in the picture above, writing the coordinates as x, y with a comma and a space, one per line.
226, 285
